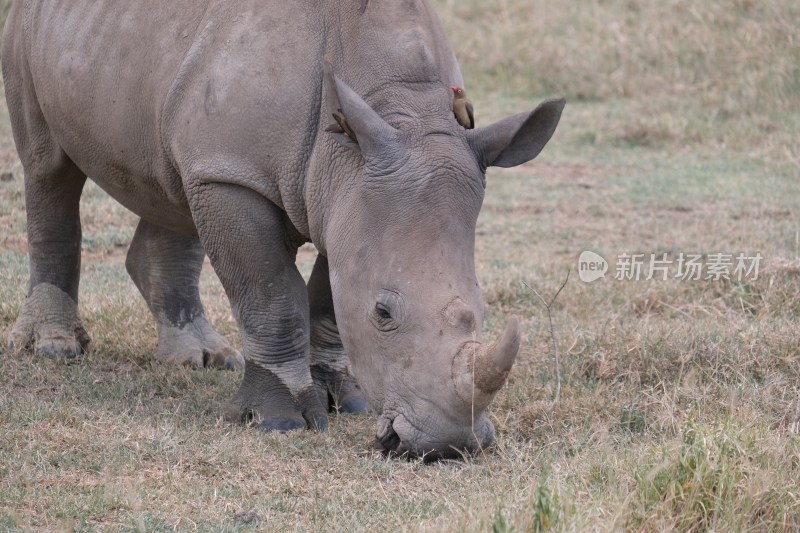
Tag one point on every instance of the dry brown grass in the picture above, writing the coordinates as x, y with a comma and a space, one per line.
723, 73
680, 406
739, 53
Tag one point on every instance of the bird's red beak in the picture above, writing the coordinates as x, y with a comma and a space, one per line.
455, 89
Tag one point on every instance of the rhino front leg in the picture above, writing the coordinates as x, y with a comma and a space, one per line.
165, 267
253, 253
329, 365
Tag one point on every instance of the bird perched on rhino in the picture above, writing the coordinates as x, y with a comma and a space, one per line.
341, 126
462, 108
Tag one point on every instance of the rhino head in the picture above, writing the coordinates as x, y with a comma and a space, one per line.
400, 239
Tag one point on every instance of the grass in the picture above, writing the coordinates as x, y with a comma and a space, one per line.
679, 403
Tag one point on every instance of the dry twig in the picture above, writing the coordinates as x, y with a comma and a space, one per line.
548, 306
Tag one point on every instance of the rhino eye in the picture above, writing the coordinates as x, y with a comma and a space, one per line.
382, 318
382, 312
386, 314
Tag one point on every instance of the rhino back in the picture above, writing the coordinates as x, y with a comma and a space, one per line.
123, 84
143, 95
101, 69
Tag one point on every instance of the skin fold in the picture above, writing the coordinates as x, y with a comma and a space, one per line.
212, 122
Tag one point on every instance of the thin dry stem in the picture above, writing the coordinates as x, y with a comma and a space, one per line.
548, 306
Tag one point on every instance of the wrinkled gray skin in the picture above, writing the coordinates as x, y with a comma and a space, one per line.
207, 119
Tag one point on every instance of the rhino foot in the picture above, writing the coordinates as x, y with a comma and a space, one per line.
49, 324
265, 402
197, 345
338, 390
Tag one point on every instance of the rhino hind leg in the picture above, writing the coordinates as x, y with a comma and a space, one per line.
329, 365
165, 266
48, 321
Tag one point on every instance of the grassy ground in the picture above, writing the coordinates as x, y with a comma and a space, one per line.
679, 405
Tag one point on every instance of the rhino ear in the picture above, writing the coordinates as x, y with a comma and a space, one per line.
358, 126
518, 139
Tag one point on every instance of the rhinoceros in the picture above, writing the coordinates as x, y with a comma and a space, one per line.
211, 120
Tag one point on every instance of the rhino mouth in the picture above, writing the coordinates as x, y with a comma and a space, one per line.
388, 441
390, 444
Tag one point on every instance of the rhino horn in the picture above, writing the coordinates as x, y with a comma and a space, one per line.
491, 368
480, 370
